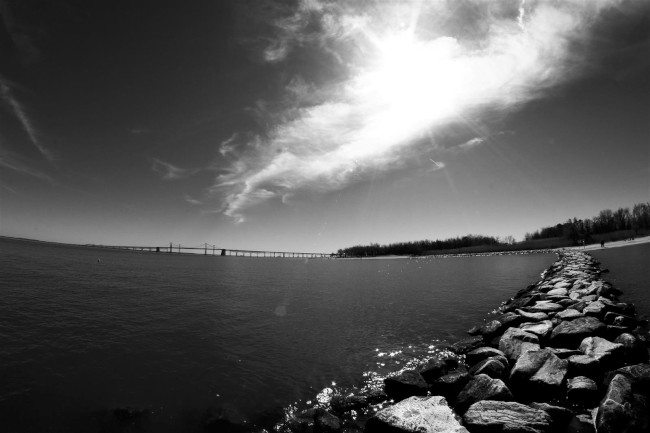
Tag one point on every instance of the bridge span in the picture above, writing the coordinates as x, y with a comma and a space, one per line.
213, 250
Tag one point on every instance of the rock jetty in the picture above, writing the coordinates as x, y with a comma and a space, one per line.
562, 355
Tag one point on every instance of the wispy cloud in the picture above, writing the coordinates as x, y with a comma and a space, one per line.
14, 162
169, 171
413, 67
19, 111
189, 199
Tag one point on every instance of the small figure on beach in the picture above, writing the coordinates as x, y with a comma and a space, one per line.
602, 244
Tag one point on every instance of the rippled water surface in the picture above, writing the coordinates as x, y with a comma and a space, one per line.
630, 271
182, 335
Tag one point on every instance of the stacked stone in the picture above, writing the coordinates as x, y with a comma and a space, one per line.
563, 355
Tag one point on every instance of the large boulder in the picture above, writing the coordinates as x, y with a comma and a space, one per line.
451, 384
638, 375
541, 329
569, 314
467, 345
481, 353
433, 369
582, 390
515, 341
584, 365
608, 354
496, 367
621, 410
560, 415
502, 416
570, 333
310, 420
416, 415
406, 384
532, 317
538, 374
634, 349
482, 387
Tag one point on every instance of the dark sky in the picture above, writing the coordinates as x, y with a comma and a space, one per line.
315, 125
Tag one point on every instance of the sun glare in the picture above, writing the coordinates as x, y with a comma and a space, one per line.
410, 85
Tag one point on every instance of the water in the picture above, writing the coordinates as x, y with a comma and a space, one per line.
629, 271
182, 335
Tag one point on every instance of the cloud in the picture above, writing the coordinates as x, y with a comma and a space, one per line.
14, 162
192, 200
412, 68
169, 171
19, 111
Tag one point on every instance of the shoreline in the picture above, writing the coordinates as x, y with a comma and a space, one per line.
563, 354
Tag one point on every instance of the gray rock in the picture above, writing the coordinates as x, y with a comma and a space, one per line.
582, 390
565, 353
406, 384
638, 375
496, 367
538, 374
482, 387
560, 415
467, 345
451, 384
416, 415
481, 353
501, 416
581, 423
546, 307
541, 329
621, 410
514, 342
532, 317
569, 334
558, 292
569, 314
608, 354
634, 349
433, 369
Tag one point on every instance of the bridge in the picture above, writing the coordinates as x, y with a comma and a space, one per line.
213, 250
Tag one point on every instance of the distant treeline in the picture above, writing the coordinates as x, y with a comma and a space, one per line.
418, 247
575, 230
606, 221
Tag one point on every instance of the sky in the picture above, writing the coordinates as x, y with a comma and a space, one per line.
314, 125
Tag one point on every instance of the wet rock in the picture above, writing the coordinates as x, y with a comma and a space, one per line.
638, 376
618, 319
416, 415
584, 365
545, 307
634, 349
582, 390
607, 353
315, 420
496, 367
569, 314
596, 309
482, 387
345, 403
479, 354
538, 374
519, 303
581, 423
560, 415
532, 317
621, 410
451, 384
467, 345
433, 369
501, 416
565, 353
541, 329
514, 342
558, 292
405, 384
569, 334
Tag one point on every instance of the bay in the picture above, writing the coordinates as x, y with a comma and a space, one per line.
87, 330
